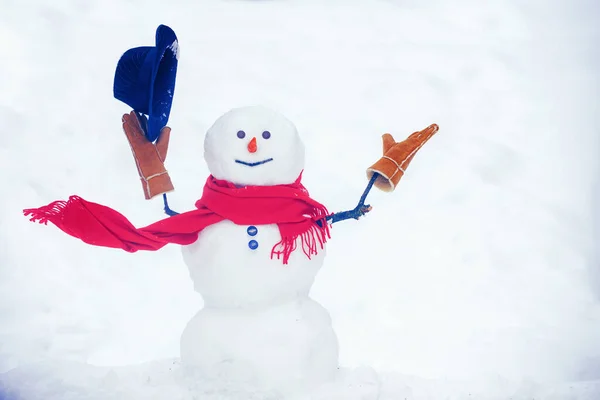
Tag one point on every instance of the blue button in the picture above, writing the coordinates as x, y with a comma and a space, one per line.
252, 230
253, 244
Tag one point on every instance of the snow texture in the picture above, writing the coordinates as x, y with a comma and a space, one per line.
258, 327
276, 160
477, 278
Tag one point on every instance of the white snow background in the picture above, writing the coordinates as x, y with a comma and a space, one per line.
479, 276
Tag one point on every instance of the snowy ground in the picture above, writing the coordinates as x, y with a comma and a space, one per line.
478, 275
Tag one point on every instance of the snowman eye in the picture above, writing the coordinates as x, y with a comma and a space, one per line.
241, 134
266, 134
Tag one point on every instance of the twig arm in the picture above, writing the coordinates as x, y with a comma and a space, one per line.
360, 210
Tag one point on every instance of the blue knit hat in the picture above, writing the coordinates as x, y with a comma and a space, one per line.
145, 80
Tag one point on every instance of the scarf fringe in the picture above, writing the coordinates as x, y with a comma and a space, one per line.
52, 212
309, 240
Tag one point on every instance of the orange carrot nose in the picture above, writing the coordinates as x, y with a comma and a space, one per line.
252, 147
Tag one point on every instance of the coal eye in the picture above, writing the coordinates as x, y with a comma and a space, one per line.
241, 134
266, 134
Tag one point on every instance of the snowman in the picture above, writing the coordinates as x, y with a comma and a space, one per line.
258, 321
253, 243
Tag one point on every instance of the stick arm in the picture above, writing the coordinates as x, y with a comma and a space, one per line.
360, 210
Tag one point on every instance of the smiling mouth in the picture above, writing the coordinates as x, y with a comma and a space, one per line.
253, 164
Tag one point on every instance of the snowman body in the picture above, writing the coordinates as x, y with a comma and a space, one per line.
258, 324
229, 274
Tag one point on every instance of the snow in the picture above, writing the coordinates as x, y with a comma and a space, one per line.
279, 159
287, 347
258, 326
478, 276
175, 49
258, 281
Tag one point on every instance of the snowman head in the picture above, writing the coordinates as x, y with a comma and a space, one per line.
254, 146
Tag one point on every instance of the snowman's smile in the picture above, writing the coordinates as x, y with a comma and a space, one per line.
253, 164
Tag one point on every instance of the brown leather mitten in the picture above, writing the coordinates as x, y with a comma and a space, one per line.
397, 156
149, 157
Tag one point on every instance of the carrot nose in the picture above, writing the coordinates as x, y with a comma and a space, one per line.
252, 147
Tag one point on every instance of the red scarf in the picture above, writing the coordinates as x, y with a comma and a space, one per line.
288, 206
